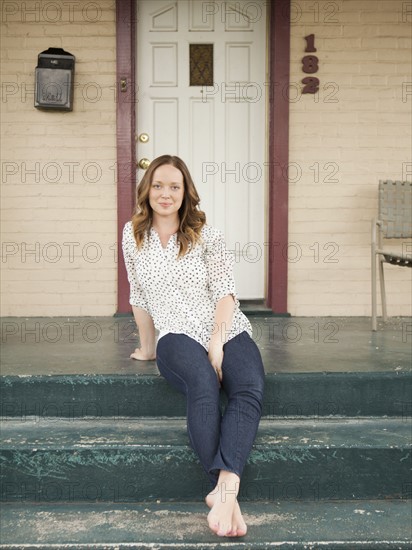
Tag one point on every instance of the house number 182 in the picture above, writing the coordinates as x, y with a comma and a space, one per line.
310, 65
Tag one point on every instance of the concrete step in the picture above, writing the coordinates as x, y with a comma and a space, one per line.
347, 525
145, 459
287, 395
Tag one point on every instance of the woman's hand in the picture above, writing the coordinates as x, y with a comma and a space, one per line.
215, 355
222, 322
141, 355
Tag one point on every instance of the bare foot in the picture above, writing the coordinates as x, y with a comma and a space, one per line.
225, 517
239, 527
140, 355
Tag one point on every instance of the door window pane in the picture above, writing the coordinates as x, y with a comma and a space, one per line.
201, 64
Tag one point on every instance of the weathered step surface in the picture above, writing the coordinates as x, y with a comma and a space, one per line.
74, 367
347, 525
102, 345
287, 395
146, 459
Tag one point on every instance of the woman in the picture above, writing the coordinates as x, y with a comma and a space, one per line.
181, 283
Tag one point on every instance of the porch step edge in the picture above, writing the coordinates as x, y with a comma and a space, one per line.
286, 395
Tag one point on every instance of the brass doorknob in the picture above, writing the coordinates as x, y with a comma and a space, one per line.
144, 163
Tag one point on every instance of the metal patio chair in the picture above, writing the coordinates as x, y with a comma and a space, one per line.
394, 222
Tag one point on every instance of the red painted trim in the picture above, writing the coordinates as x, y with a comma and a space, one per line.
125, 132
279, 74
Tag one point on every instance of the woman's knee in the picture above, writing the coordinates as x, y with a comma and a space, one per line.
242, 350
243, 368
187, 359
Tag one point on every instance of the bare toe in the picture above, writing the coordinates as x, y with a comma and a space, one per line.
239, 528
213, 522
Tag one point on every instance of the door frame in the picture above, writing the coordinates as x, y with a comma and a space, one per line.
126, 98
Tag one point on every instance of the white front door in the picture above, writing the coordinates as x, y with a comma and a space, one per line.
213, 117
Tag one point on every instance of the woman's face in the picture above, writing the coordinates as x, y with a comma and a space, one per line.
166, 192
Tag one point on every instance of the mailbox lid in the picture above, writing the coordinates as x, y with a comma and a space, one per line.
55, 58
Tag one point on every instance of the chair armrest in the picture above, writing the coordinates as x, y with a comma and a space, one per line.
375, 223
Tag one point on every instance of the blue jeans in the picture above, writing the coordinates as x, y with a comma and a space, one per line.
220, 442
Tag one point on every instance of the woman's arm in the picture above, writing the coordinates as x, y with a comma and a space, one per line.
147, 335
221, 328
222, 292
138, 300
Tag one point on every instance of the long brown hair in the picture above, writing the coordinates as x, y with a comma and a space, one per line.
191, 218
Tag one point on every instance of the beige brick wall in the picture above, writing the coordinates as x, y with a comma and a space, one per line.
355, 131
58, 168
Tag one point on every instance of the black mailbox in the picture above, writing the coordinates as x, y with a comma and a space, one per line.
54, 80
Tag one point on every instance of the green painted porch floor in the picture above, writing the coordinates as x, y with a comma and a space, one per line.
330, 525
102, 345
75, 367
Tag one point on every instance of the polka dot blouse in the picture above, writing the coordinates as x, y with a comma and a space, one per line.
180, 294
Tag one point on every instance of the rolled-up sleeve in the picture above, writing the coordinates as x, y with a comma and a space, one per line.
219, 264
137, 294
